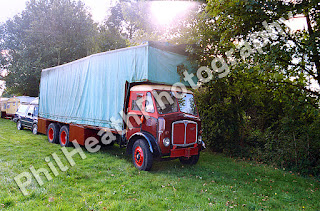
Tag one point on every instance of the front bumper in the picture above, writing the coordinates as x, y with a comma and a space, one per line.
184, 152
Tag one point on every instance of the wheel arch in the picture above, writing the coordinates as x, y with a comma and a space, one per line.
152, 143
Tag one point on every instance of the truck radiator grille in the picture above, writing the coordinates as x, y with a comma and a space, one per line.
184, 133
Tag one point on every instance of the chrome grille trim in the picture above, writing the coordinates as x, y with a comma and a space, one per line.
185, 122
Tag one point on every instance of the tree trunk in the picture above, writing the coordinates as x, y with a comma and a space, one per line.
315, 55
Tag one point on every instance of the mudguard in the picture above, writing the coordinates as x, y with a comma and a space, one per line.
152, 142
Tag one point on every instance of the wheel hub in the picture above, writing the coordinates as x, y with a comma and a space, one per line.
51, 134
63, 137
138, 156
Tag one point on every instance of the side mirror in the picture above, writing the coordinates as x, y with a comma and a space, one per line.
29, 114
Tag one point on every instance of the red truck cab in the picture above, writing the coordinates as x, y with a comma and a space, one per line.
162, 123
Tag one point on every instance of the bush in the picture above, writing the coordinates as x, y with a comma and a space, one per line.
278, 126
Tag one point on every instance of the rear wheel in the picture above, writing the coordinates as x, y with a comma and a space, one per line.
53, 133
35, 129
19, 125
141, 156
190, 161
64, 136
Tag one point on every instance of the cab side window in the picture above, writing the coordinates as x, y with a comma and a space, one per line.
149, 103
30, 111
36, 110
137, 102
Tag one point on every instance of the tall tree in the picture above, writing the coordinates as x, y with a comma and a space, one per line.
136, 21
131, 20
264, 107
47, 33
254, 32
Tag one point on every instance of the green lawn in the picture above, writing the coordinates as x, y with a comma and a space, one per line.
107, 180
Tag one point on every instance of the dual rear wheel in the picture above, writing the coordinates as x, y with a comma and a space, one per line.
57, 134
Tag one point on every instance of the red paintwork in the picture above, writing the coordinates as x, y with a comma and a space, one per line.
148, 122
178, 135
80, 133
150, 125
169, 119
191, 133
43, 125
185, 152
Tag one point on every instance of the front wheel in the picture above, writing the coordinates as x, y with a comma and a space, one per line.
141, 156
35, 129
19, 125
190, 161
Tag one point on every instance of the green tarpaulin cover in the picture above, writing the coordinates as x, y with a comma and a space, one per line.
91, 90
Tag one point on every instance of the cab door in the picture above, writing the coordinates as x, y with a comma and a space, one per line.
29, 116
133, 119
149, 122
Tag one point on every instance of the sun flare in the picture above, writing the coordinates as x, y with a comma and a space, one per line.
165, 12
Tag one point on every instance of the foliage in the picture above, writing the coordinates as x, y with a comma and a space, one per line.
227, 25
135, 22
268, 121
131, 20
264, 109
107, 180
47, 33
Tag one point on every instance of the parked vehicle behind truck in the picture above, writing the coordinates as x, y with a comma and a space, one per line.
3, 107
126, 92
27, 116
13, 104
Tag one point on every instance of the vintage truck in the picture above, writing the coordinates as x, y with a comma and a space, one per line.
129, 93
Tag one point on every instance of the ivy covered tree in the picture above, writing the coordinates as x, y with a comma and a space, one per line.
254, 32
264, 107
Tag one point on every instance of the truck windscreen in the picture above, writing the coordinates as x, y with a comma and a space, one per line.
187, 104
166, 103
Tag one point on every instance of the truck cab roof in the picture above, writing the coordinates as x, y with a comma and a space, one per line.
150, 87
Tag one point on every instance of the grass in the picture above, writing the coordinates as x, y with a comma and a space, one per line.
107, 180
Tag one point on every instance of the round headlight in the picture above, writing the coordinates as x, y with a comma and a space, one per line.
199, 139
166, 142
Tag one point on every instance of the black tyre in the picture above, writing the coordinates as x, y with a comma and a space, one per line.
19, 125
190, 161
35, 129
53, 133
64, 136
142, 158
